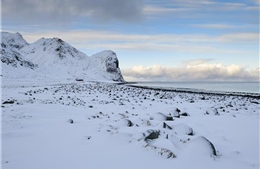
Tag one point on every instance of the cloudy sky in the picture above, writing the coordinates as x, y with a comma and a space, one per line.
214, 40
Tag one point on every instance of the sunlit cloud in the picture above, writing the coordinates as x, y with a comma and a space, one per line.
197, 72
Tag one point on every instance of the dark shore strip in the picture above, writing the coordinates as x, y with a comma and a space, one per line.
212, 93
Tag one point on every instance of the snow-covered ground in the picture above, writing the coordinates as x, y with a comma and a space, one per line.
102, 125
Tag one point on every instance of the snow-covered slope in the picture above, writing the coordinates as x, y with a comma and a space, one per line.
52, 58
56, 58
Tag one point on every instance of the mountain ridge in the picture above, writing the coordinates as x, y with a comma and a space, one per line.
54, 58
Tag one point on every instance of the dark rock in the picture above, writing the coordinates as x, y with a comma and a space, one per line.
70, 121
153, 134
203, 98
177, 110
79, 80
169, 118
184, 114
191, 101
129, 123
8, 102
166, 126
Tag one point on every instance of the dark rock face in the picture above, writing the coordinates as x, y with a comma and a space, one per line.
14, 59
112, 64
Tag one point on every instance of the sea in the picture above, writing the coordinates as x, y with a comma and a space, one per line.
240, 87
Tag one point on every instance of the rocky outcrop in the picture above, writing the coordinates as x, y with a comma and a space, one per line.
108, 64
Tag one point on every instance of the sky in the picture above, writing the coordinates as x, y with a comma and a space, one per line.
168, 40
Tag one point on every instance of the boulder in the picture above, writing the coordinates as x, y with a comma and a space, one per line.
182, 129
200, 146
151, 134
161, 117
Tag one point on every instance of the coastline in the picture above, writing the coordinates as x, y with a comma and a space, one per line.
193, 91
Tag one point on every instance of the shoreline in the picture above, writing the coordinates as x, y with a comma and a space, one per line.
191, 91
132, 84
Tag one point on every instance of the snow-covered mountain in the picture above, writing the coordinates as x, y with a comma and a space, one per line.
53, 58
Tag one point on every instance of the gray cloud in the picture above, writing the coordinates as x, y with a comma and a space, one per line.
60, 11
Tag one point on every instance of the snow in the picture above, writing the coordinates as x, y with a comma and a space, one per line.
38, 133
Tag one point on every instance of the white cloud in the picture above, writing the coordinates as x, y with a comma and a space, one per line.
214, 26
196, 62
196, 43
205, 71
93, 35
173, 6
238, 37
154, 10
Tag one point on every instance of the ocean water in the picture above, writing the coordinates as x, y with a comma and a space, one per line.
245, 87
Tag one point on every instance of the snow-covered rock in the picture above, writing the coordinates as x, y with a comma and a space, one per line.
182, 129
200, 146
161, 117
10, 55
53, 58
13, 40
